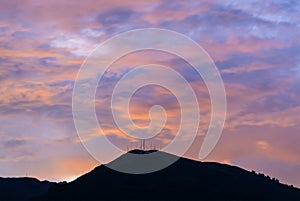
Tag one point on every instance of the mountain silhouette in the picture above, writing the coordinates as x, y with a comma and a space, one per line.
186, 179
22, 188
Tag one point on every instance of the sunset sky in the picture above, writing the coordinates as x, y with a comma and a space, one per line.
254, 44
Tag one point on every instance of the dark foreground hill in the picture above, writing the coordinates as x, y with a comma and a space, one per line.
22, 188
184, 180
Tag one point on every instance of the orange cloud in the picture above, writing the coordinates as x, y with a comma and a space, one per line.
262, 144
74, 167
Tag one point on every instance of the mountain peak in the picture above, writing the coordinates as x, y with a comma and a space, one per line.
140, 151
185, 179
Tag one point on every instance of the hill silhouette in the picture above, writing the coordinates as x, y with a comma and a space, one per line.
184, 180
22, 188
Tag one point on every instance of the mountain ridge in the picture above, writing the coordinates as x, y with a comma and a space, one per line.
186, 179
23, 188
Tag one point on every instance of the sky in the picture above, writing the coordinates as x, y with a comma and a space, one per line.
255, 46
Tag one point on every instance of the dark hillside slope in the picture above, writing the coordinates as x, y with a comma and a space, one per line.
22, 188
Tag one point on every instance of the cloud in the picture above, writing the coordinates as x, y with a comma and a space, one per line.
117, 16
12, 144
262, 145
249, 68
